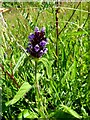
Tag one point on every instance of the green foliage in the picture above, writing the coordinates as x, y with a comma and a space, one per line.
27, 114
47, 64
19, 63
59, 114
22, 91
71, 111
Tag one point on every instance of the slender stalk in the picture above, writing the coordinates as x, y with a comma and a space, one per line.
36, 82
57, 28
37, 89
10, 75
80, 22
57, 39
39, 101
69, 18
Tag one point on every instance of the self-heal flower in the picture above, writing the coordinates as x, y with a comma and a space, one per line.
37, 43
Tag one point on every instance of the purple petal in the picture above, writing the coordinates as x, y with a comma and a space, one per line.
43, 43
30, 46
45, 50
31, 37
28, 50
36, 29
37, 48
43, 29
40, 53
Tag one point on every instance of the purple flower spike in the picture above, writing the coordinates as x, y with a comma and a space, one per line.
43, 43
37, 43
43, 29
37, 48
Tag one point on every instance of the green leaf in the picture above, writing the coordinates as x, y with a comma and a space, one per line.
61, 115
22, 91
71, 111
21, 59
47, 65
28, 114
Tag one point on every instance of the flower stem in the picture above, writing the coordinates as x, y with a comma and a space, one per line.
36, 83
39, 101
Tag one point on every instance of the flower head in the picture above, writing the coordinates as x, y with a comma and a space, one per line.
37, 43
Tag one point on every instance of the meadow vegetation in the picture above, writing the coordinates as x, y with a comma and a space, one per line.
63, 74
